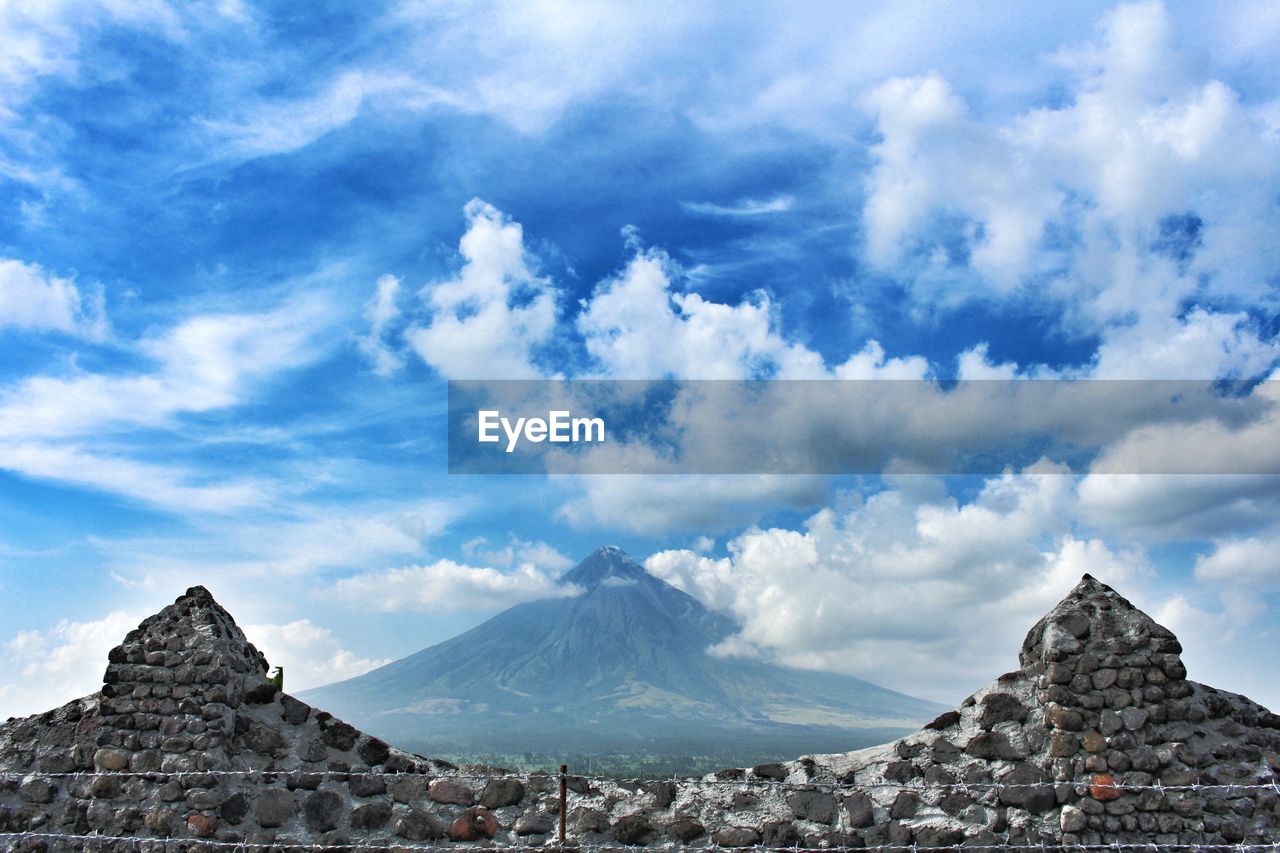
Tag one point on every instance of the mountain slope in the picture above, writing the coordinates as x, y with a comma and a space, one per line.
620, 659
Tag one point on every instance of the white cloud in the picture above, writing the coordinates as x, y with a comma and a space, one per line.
746, 207
446, 585
310, 655
662, 503
488, 321
266, 127
976, 364
1251, 563
911, 587
44, 669
1152, 186
637, 326
871, 363
1243, 494
33, 300
295, 543
76, 428
1201, 345
517, 552
42, 39
380, 312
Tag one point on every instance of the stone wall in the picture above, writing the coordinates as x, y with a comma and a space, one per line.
1098, 738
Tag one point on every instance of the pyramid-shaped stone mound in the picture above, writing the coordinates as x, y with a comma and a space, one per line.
185, 696
1097, 739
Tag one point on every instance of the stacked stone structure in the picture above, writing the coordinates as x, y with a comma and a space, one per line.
1097, 739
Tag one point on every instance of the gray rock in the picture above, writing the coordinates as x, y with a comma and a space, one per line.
664, 793
293, 711
275, 807
1027, 787
418, 825
736, 836
322, 811
339, 736
779, 833
37, 791
407, 789
817, 806
234, 808
1000, 708
265, 741
371, 816
905, 805
585, 819
372, 751
993, 746
634, 829
859, 810
533, 824
366, 785
499, 793
685, 829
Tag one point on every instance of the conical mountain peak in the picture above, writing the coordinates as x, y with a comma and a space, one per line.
607, 565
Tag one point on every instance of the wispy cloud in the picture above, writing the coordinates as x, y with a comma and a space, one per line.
744, 208
447, 585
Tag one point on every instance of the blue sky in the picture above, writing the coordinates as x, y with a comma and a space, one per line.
244, 245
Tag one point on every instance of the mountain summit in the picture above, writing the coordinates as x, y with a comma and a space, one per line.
609, 564
623, 664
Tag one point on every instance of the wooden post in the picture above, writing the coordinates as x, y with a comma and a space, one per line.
564, 797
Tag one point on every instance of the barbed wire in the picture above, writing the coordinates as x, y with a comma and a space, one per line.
570, 845
808, 785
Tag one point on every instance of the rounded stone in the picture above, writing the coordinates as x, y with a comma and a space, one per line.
202, 826
275, 807
473, 824
533, 824
684, 829
371, 816
322, 811
111, 759
500, 793
454, 793
736, 836
418, 825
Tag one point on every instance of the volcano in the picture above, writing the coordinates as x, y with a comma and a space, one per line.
620, 663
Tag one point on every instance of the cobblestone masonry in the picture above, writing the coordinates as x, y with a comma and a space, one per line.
1098, 738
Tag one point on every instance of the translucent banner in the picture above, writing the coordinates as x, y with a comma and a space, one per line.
862, 427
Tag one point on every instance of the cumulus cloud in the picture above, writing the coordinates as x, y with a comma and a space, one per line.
447, 585
1149, 188
1252, 562
910, 587
487, 322
637, 326
43, 669
33, 300
311, 655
